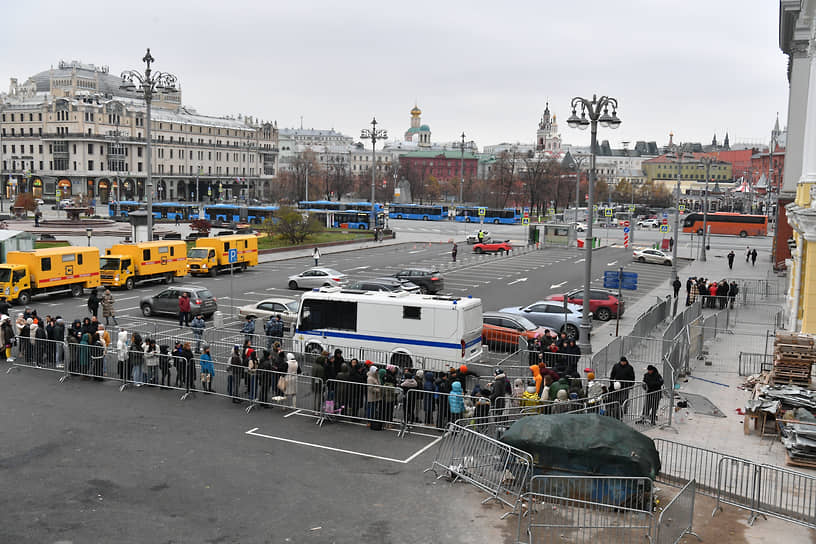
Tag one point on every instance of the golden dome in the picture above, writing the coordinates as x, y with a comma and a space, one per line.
416, 112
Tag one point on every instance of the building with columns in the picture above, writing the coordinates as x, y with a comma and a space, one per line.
72, 131
797, 197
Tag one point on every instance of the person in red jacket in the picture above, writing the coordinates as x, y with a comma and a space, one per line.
184, 310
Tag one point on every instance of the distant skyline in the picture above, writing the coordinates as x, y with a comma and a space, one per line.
485, 68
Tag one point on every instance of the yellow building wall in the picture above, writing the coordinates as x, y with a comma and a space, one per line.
807, 300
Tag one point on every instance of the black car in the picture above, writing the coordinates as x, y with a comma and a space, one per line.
428, 279
385, 285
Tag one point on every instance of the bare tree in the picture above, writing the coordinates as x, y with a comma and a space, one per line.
504, 177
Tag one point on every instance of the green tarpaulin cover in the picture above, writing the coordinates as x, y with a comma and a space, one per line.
587, 444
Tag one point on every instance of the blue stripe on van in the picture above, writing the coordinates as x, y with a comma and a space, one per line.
372, 338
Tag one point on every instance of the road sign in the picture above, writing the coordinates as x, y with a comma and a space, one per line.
625, 230
626, 224
233, 256
682, 207
631, 208
525, 220
665, 221
664, 228
482, 212
608, 212
614, 279
665, 215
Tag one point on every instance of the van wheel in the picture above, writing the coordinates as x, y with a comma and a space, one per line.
147, 310
24, 298
168, 278
402, 360
213, 272
76, 290
243, 267
314, 349
129, 283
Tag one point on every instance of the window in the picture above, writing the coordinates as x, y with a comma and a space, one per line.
45, 264
68, 258
79, 258
325, 314
163, 249
90, 165
411, 312
146, 255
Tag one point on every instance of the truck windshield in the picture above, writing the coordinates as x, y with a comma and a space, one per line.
106, 263
197, 253
5, 274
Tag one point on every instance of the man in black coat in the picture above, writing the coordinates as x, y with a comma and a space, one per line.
624, 373
500, 389
653, 382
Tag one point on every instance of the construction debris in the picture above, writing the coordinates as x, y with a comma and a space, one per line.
794, 356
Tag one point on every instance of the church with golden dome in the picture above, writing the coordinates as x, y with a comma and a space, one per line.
418, 133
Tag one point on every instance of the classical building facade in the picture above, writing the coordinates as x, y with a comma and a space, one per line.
547, 138
72, 130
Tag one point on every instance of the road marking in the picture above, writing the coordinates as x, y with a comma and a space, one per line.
358, 268
613, 263
417, 251
557, 285
252, 432
290, 414
580, 261
127, 298
517, 281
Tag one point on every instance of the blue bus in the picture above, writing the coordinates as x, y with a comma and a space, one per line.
227, 213
359, 220
259, 214
338, 206
124, 207
175, 210
505, 216
418, 211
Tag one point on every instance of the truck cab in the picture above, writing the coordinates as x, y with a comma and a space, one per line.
117, 270
14, 280
202, 260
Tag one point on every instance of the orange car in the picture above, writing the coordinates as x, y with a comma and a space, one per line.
501, 331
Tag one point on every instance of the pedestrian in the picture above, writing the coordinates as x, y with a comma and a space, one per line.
248, 329
107, 308
747, 253
93, 303
653, 383
733, 291
4, 306
207, 369
189, 363
136, 359
252, 374
753, 257
178, 217
164, 365
731, 256
624, 373
290, 387
454, 251
671, 243
151, 358
409, 383
676, 285
197, 325
84, 355
274, 331
37, 216
316, 255
236, 374
7, 331
500, 389
121, 354
456, 402
184, 309
480, 236
373, 399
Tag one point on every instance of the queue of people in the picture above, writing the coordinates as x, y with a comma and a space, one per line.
713, 294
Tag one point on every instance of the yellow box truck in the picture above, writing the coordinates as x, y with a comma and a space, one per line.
211, 255
52, 270
124, 265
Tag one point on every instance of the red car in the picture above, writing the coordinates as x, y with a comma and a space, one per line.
602, 304
492, 247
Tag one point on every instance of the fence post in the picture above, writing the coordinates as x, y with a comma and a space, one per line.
65, 375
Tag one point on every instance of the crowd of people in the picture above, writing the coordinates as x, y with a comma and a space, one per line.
713, 294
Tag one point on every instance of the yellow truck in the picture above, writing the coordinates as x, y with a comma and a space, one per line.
124, 265
211, 255
45, 271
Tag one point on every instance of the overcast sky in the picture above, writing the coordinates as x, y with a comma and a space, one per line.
696, 68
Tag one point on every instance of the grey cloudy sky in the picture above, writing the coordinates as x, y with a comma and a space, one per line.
486, 68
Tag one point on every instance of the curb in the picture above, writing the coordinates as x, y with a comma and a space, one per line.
323, 244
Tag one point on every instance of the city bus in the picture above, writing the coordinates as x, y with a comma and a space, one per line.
124, 207
227, 213
175, 210
347, 219
727, 223
505, 216
338, 206
259, 214
408, 330
418, 212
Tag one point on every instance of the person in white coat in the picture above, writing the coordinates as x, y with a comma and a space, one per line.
291, 379
122, 353
316, 256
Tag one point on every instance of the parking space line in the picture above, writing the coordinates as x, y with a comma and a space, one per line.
290, 414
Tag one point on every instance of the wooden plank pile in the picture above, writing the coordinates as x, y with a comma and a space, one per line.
794, 355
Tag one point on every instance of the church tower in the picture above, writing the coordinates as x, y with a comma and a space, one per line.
547, 138
417, 130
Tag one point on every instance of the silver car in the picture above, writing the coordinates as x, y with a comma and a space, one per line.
652, 256
165, 301
317, 277
473, 237
552, 315
286, 308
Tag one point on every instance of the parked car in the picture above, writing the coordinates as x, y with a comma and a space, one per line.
652, 256
653, 223
602, 304
385, 285
501, 331
317, 276
286, 308
473, 237
580, 227
493, 247
165, 301
551, 315
428, 279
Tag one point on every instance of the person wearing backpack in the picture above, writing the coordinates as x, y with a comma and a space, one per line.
274, 331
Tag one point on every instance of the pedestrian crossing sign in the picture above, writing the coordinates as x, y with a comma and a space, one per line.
682, 207
482, 212
631, 208
664, 228
608, 212
525, 221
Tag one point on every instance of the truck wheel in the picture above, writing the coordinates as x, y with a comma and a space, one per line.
76, 290
129, 283
24, 298
169, 277
213, 272
243, 267
147, 310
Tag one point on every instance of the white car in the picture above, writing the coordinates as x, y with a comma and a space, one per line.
474, 237
580, 227
318, 276
652, 256
654, 223
286, 308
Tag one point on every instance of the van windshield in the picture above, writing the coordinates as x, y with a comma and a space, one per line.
5, 274
108, 263
197, 253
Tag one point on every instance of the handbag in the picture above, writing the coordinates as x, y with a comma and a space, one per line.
282, 384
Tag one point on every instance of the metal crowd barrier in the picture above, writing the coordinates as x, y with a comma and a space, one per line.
677, 518
646, 409
431, 409
500, 470
587, 509
754, 363
681, 463
786, 494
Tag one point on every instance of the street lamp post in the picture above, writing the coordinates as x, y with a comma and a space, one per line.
89, 233
707, 160
592, 112
676, 237
148, 83
373, 134
462, 171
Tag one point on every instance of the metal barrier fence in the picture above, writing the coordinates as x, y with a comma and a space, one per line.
786, 494
754, 363
647, 410
755, 291
587, 509
681, 463
677, 518
501, 471
680, 322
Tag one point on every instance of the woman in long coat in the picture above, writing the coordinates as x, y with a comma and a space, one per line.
107, 308
291, 379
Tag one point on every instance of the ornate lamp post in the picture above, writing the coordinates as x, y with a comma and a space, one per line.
462, 170
373, 134
706, 160
148, 83
592, 112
